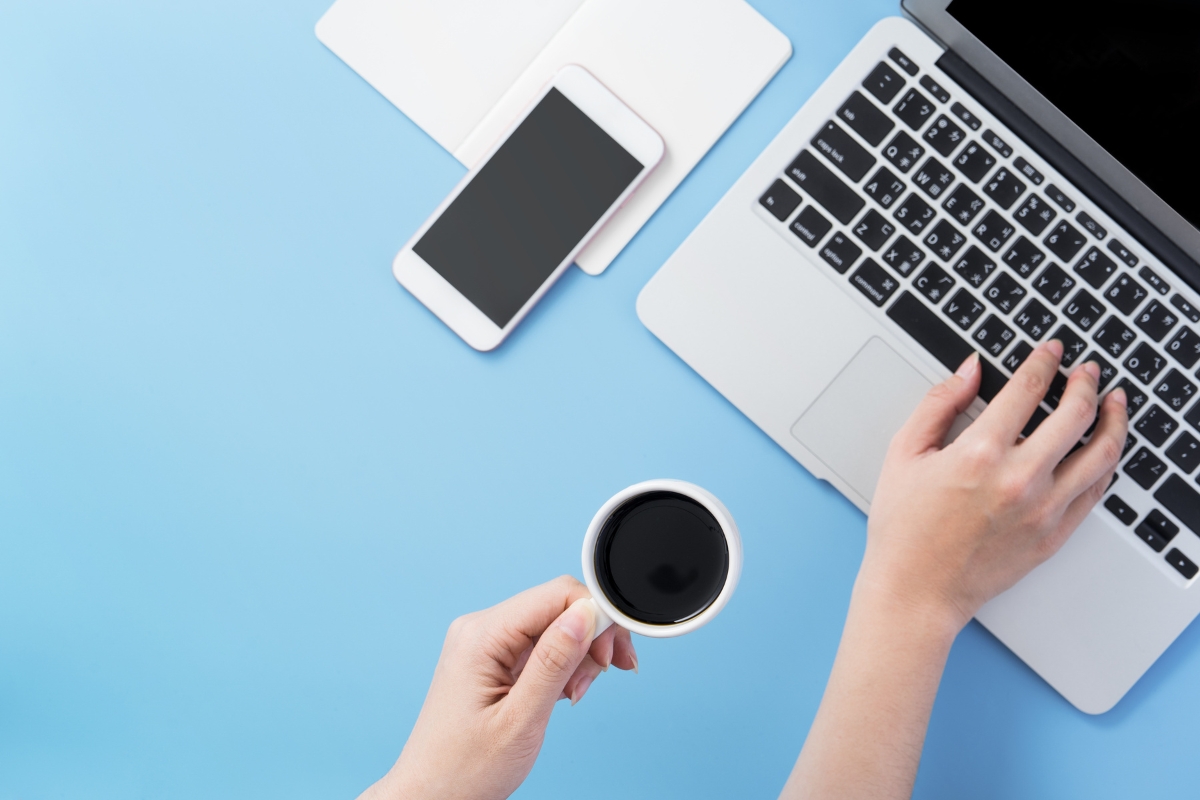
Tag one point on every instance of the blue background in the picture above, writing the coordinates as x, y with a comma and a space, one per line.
246, 481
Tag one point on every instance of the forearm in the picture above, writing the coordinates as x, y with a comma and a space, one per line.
867, 737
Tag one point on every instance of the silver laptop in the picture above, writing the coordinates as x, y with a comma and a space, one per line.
982, 178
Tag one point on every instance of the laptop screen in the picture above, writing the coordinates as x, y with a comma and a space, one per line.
1128, 74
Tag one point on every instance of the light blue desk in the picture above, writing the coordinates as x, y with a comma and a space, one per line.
246, 481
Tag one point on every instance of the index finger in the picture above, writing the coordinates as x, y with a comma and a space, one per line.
519, 620
1009, 412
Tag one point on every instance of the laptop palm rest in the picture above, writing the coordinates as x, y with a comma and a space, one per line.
851, 424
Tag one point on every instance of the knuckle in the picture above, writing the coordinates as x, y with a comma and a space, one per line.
1110, 450
1031, 382
554, 656
567, 583
1080, 409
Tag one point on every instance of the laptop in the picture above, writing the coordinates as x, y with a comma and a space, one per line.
982, 177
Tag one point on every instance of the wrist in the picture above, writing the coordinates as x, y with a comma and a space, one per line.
924, 613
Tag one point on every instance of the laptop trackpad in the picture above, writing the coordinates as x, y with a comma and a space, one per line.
851, 424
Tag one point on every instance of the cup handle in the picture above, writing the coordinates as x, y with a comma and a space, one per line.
603, 621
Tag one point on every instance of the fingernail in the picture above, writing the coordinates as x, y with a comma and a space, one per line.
968, 367
1055, 347
578, 621
633, 655
1093, 369
1119, 396
581, 688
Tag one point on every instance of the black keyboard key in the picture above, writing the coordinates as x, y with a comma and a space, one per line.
1016, 357
1192, 417
1005, 293
1135, 398
993, 230
1035, 320
1156, 283
825, 188
864, 118
993, 336
1096, 268
903, 256
780, 200
1185, 452
1058, 385
1145, 363
1084, 310
1185, 347
935, 89
1120, 510
1182, 563
1122, 252
934, 283
1053, 284
1157, 523
974, 162
963, 309
914, 109
1115, 337
963, 204
965, 117
1035, 214
873, 229
1107, 374
914, 213
903, 151
874, 282
1024, 257
944, 136
1073, 346
1064, 241
1148, 535
996, 143
1028, 170
1130, 443
1091, 226
1035, 422
884, 83
1175, 391
810, 227
1126, 294
933, 179
843, 152
840, 253
944, 240
1146, 468
884, 187
1181, 500
1063, 202
1004, 188
1156, 425
915, 319
1185, 308
1156, 320
975, 267
904, 61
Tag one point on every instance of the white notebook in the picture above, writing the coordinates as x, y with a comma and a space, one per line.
463, 70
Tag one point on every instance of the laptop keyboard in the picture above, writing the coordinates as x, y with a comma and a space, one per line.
965, 246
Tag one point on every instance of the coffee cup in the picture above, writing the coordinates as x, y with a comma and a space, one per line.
661, 558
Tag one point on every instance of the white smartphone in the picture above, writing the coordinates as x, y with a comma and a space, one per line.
519, 218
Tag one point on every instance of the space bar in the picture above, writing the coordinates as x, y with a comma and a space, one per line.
940, 339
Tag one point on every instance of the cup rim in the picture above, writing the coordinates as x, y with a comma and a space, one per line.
729, 528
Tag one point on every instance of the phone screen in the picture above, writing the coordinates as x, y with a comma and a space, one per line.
528, 208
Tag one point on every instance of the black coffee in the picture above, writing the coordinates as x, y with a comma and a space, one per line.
661, 558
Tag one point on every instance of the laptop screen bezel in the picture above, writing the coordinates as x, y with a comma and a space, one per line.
950, 33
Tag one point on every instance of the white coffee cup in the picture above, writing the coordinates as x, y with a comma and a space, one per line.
607, 612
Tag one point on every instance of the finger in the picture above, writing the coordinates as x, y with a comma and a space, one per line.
1098, 459
517, 622
578, 684
558, 653
1076, 412
602, 648
1008, 414
624, 656
1077, 511
930, 423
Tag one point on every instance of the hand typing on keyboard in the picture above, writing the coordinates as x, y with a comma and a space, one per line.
950, 528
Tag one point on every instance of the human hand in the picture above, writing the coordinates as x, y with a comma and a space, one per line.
499, 676
952, 527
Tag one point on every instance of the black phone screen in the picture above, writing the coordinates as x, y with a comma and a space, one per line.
528, 208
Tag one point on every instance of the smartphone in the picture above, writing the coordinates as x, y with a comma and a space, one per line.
519, 217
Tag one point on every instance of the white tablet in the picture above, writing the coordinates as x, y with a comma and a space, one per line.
519, 218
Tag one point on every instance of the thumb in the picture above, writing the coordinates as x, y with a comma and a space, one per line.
558, 652
930, 423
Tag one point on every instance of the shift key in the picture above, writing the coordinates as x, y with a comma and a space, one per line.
825, 188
